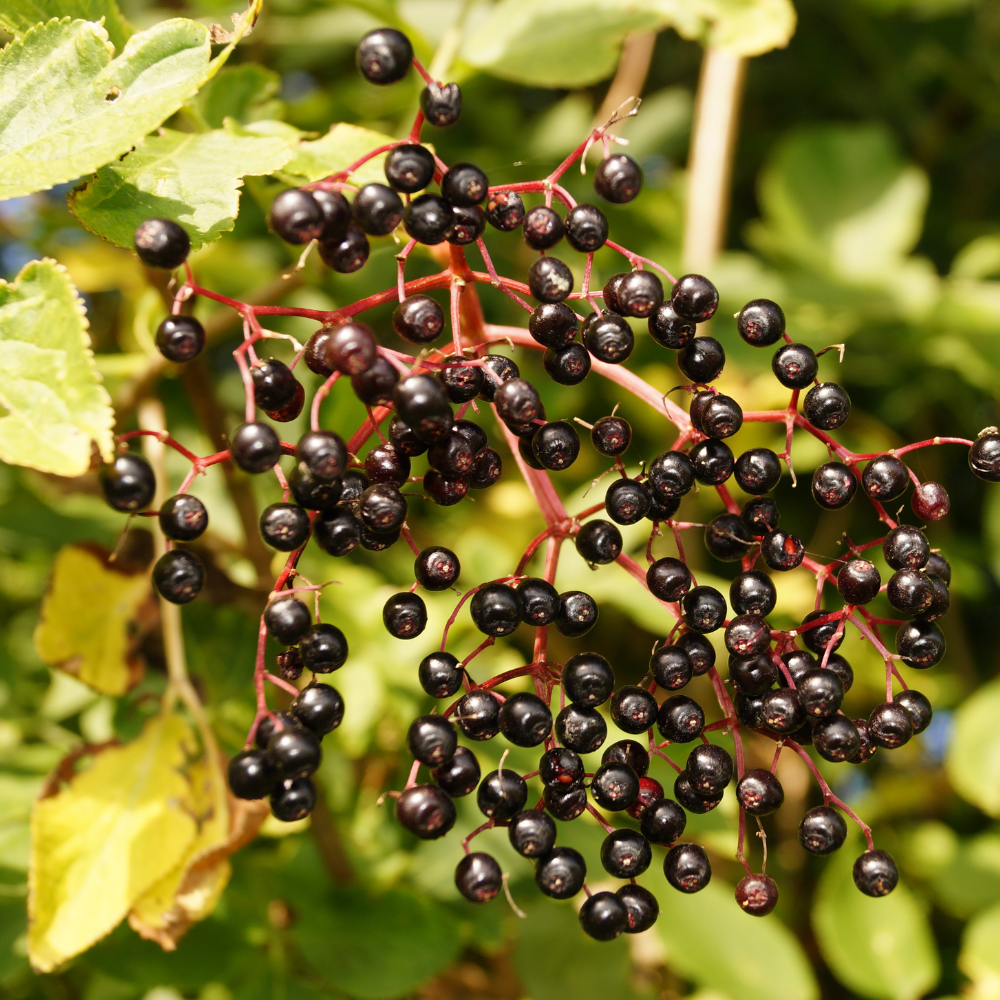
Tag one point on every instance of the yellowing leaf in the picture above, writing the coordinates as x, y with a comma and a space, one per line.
49, 385
190, 890
101, 842
84, 623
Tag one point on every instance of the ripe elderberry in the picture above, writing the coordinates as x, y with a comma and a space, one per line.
161, 243
404, 615
441, 103
128, 483
183, 518
178, 576
180, 338
687, 867
459, 775
384, 56
541, 229
761, 322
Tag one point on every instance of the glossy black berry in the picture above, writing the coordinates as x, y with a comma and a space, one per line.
712, 461
782, 551
608, 337
553, 324
382, 508
629, 752
561, 768
760, 515
255, 447
568, 365
296, 216
486, 470
906, 547
650, 792
702, 360
427, 811
757, 894
440, 675
671, 474
633, 709
252, 774
532, 833
753, 593
409, 167
505, 210
501, 795
293, 800
128, 483
178, 576
162, 243
703, 609
875, 873
640, 294
761, 322
671, 667
436, 568
930, 502
337, 532
641, 908
727, 538
699, 649
822, 830
336, 211
525, 719
404, 615
577, 613
284, 526
441, 103
859, 581
588, 679
820, 692
614, 786
478, 877
467, 224
496, 609
377, 209
319, 708
627, 501
834, 485
287, 619
670, 330
618, 179
611, 436
626, 853
384, 56
709, 769
794, 365
753, 676
721, 416
757, 471
418, 319
586, 228
348, 253
747, 636
383, 464
422, 403
477, 715
759, 792
323, 453
180, 338
918, 707
781, 712
432, 740
663, 822
464, 184
599, 542
691, 800
428, 219
542, 228
539, 601
827, 406
561, 872
687, 868
819, 637
695, 298
183, 517
581, 729
668, 579
310, 492
890, 725
910, 591
680, 719
295, 752
836, 738
984, 455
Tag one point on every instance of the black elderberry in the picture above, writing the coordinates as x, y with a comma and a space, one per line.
295, 752
627, 501
525, 719
427, 811
834, 485
628, 752
581, 729
337, 532
346, 254
890, 725
614, 786
759, 792
561, 872
757, 894
565, 805
542, 228
671, 667
836, 738
827, 406
178, 576
351, 348
310, 492
161, 243
505, 210
183, 517
757, 471
467, 224
639, 294
820, 692
662, 508
568, 365
721, 416
464, 184
668, 579
443, 489
289, 664
611, 436
441, 103
695, 298
782, 551
478, 877
818, 637
440, 674
409, 167
428, 219
296, 216
794, 365
875, 873
671, 474
319, 708
518, 403
703, 609
930, 502
497, 369
727, 538
404, 615
650, 792
252, 774
918, 707
293, 800
906, 547
586, 228
588, 679
709, 770
687, 868
376, 541
384, 56
422, 403
323, 453
761, 322
699, 649
599, 542
323, 648
524, 450
641, 908
626, 853
128, 483
576, 615
608, 337
859, 581
431, 740
539, 601
418, 319
760, 515
336, 211
374, 386
377, 209
868, 745
670, 330
255, 447
781, 711
753, 676
984, 455
910, 591
822, 830
383, 464
753, 593
532, 832
680, 719
663, 822
618, 179
553, 324
750, 709
287, 619
712, 461
550, 280
452, 456
496, 609
501, 795
561, 768
633, 709
284, 526
702, 360
180, 338
477, 714
748, 636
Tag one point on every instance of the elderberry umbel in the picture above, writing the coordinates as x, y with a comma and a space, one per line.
449, 420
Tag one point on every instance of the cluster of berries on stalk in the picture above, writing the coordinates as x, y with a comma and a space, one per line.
787, 686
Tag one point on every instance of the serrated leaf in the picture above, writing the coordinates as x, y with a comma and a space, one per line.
191, 889
879, 948
343, 145
84, 623
67, 107
973, 761
194, 179
49, 384
746, 957
19, 16
100, 843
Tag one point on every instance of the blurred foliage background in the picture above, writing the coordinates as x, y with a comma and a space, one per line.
866, 200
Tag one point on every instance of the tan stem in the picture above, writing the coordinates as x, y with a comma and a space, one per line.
713, 139
630, 77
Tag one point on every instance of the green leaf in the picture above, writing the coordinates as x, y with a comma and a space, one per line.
980, 955
49, 385
67, 108
879, 948
343, 145
194, 179
17, 793
375, 948
963, 873
747, 957
244, 93
973, 761
19, 16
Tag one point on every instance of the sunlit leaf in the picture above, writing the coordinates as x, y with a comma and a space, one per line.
192, 178
99, 843
86, 617
19, 16
56, 405
973, 761
343, 145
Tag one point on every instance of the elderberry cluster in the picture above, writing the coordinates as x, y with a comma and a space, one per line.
774, 687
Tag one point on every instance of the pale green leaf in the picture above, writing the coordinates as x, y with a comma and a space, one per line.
49, 385
746, 27
748, 957
343, 145
67, 107
105, 839
193, 178
880, 948
980, 955
86, 617
17, 793
19, 16
973, 761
